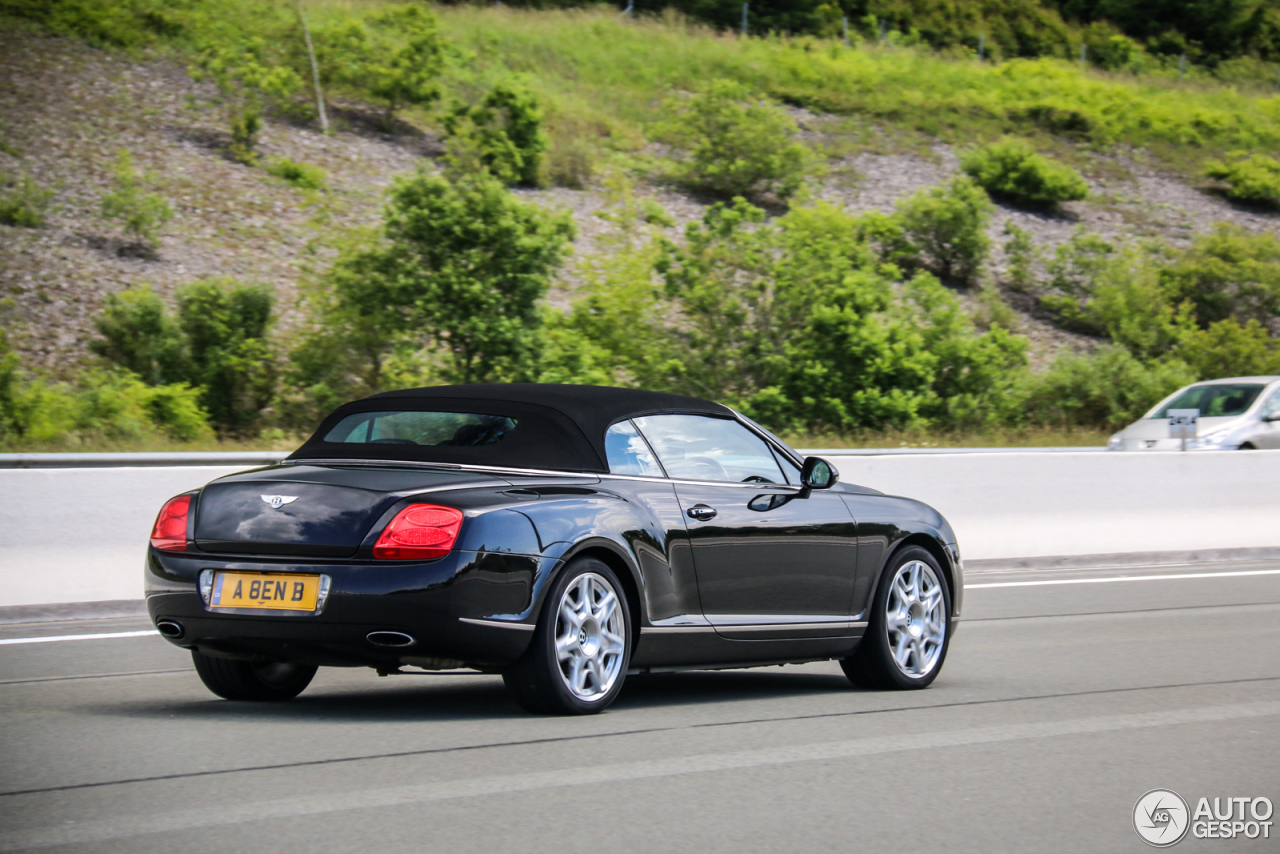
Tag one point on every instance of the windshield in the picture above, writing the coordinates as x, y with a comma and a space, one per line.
1213, 401
435, 429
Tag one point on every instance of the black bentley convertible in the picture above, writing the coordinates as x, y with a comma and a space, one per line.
563, 536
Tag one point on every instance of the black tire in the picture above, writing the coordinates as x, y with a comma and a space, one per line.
873, 664
537, 681
252, 680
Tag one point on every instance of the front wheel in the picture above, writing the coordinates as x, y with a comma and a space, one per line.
909, 628
578, 658
252, 680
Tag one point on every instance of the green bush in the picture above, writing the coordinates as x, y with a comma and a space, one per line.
1228, 273
139, 333
1108, 388
504, 132
217, 342
1012, 169
143, 213
1253, 179
737, 144
1227, 349
101, 405
304, 176
946, 227
23, 203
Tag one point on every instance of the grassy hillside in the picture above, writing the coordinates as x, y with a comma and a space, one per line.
844, 307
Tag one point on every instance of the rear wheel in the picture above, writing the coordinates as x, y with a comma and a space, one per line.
581, 648
252, 680
909, 628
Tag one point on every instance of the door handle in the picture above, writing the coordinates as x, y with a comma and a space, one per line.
702, 512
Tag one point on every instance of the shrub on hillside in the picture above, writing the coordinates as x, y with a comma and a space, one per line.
1253, 179
23, 202
1108, 388
737, 144
217, 342
504, 132
946, 225
1227, 349
1229, 272
142, 213
304, 176
110, 405
1012, 169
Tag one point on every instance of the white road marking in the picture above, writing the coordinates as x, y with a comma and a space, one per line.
1113, 578
102, 830
52, 638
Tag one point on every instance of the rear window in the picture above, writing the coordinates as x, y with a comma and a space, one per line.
430, 429
1213, 400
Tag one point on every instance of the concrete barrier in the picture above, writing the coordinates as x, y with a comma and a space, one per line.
79, 534
1017, 505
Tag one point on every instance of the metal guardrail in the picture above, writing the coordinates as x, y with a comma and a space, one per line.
259, 458
184, 458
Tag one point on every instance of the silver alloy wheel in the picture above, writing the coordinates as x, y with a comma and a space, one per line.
590, 636
915, 618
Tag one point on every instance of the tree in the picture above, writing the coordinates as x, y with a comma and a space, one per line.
250, 78
462, 270
395, 57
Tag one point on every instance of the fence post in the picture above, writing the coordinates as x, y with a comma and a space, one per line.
982, 46
844, 22
883, 36
630, 10
744, 18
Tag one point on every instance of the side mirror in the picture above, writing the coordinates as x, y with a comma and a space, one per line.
1271, 416
818, 473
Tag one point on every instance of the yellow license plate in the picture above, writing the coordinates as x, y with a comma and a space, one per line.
267, 591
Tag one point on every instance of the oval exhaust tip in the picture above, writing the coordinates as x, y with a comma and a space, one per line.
393, 639
170, 629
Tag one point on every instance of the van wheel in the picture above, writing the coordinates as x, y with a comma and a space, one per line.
252, 680
578, 658
909, 628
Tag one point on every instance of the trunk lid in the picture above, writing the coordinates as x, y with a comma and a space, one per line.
311, 511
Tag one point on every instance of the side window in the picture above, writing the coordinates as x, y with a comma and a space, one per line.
790, 469
697, 447
627, 452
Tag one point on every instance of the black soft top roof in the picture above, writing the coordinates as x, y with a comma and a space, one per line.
559, 427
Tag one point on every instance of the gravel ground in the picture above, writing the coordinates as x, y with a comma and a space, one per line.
69, 109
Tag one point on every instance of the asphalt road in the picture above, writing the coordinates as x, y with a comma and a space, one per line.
1059, 706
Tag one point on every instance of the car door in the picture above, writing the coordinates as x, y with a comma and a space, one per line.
772, 560
1268, 435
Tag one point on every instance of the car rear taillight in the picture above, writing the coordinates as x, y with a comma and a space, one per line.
170, 532
419, 532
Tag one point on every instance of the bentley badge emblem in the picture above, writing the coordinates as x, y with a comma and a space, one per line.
278, 501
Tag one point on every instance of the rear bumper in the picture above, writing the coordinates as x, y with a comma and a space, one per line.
469, 607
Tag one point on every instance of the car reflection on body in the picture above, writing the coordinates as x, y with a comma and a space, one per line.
1240, 413
563, 536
